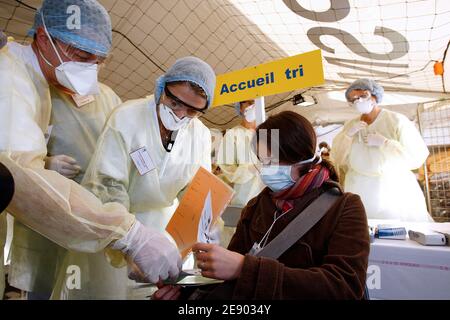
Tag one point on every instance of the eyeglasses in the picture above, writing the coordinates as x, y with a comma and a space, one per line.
74, 54
356, 98
177, 104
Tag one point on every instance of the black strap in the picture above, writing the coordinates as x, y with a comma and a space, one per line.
6, 187
300, 225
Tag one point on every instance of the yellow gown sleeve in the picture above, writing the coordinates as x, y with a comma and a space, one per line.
410, 148
45, 201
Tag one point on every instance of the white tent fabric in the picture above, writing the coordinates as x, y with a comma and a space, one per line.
393, 41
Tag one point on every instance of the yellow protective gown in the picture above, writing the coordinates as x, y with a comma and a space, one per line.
237, 163
112, 176
45, 201
75, 131
382, 175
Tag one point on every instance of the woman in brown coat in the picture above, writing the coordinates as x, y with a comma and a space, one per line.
328, 262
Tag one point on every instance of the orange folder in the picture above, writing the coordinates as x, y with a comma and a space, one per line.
184, 225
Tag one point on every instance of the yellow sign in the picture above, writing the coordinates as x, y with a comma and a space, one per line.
288, 74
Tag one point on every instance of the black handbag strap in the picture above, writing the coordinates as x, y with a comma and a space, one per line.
300, 225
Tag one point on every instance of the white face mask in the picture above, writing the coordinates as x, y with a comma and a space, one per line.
279, 178
250, 114
364, 106
79, 77
170, 120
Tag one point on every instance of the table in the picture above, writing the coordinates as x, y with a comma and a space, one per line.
405, 269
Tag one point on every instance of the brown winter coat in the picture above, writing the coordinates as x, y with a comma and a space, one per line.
329, 262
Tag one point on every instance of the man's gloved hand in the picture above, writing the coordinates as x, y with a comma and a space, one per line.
375, 140
154, 255
356, 128
64, 165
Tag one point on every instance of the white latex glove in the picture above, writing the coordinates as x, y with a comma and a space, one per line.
356, 128
375, 140
64, 165
156, 257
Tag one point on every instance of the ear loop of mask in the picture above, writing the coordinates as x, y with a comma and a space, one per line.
51, 40
318, 154
45, 59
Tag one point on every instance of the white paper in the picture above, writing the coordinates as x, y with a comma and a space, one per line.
205, 221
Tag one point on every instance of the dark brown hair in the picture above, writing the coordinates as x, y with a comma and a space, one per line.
297, 140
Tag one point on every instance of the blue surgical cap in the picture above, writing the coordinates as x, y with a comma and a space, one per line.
189, 69
367, 84
83, 24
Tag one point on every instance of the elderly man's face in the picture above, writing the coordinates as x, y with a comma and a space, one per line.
49, 60
66, 52
69, 53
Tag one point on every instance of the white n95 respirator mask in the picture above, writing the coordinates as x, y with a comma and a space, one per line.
79, 77
364, 105
170, 120
250, 114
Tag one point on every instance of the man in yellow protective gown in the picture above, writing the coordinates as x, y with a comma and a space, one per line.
76, 123
66, 57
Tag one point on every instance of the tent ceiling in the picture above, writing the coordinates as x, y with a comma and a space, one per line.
394, 41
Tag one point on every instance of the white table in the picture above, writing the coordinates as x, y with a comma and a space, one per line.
405, 269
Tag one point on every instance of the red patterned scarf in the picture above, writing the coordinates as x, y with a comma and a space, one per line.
312, 180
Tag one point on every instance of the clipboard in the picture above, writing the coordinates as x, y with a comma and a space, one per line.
205, 193
191, 278
186, 278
